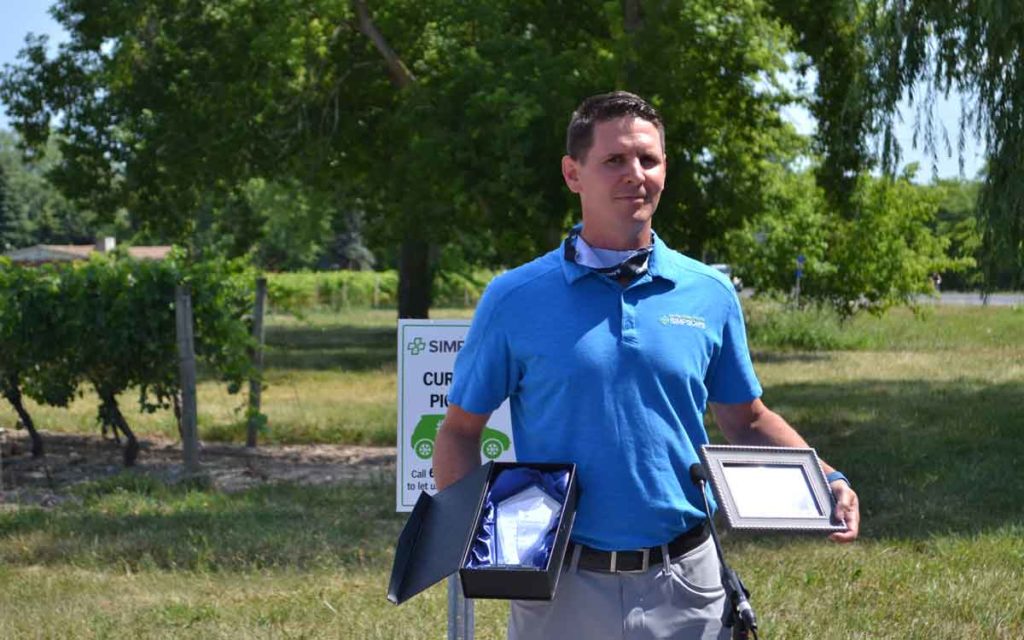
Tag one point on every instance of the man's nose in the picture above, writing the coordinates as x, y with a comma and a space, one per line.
634, 171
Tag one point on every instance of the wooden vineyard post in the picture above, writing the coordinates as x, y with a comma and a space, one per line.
255, 382
187, 373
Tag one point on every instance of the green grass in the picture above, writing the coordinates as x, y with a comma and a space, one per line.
925, 416
137, 559
330, 376
773, 325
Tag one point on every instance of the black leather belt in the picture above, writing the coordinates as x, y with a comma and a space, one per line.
637, 560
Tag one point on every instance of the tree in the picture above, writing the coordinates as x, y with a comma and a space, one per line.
975, 48
442, 121
33, 210
831, 38
884, 256
957, 219
295, 223
8, 226
348, 249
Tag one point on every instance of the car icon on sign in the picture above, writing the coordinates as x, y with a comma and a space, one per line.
492, 442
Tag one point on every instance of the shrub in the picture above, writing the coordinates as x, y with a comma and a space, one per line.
776, 325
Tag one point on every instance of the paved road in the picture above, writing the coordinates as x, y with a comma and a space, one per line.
973, 299
955, 298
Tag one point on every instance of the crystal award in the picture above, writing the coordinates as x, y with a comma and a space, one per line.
522, 522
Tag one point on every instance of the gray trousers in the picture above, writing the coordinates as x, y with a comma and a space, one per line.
681, 599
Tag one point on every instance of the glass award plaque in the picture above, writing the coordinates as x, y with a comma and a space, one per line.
522, 521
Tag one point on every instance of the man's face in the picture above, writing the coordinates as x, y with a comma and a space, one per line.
619, 181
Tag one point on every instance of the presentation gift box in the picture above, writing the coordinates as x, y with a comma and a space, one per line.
504, 528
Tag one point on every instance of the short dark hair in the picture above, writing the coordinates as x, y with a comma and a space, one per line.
579, 136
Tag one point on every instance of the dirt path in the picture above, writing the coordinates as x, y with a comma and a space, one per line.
71, 459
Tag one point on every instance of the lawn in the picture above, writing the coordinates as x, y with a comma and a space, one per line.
925, 414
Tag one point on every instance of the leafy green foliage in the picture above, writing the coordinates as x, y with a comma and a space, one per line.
34, 339
299, 292
110, 322
294, 227
957, 219
222, 293
880, 257
830, 37
452, 153
976, 49
33, 211
8, 226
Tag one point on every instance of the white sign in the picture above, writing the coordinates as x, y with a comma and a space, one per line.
426, 359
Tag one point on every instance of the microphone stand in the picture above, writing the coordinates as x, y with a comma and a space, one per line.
738, 615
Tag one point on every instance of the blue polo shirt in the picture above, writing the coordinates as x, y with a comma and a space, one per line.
613, 379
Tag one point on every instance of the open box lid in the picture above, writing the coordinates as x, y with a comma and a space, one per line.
437, 535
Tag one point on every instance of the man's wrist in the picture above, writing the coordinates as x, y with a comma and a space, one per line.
838, 475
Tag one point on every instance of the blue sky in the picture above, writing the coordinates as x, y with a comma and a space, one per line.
20, 17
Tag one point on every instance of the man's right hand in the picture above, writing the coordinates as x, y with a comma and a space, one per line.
457, 446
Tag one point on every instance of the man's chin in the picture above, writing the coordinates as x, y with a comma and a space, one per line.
641, 212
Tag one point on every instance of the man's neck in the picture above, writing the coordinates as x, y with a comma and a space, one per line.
621, 241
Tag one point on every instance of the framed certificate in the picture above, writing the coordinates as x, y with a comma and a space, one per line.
770, 488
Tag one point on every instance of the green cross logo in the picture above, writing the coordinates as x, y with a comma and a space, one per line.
417, 346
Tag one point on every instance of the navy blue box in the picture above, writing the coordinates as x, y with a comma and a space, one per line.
437, 538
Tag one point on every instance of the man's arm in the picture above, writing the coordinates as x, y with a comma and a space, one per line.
457, 446
752, 423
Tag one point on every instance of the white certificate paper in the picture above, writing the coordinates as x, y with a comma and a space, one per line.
770, 491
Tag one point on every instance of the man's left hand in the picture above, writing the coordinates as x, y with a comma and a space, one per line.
847, 509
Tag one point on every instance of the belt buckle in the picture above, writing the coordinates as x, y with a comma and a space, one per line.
645, 562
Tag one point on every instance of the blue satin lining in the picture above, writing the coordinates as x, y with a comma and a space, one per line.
508, 483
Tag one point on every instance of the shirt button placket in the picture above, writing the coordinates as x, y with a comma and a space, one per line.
629, 335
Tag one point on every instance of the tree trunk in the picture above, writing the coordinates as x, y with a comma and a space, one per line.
415, 274
401, 77
632, 18
12, 391
110, 413
415, 279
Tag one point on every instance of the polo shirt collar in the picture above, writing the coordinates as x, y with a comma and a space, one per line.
659, 264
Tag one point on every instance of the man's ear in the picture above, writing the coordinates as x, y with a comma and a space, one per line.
571, 173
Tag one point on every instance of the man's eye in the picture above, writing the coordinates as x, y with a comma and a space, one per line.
614, 160
649, 161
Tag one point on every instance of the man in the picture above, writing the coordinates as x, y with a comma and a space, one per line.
610, 348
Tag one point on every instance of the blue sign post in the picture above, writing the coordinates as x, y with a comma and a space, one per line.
800, 260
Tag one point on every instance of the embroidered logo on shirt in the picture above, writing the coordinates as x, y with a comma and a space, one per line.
685, 321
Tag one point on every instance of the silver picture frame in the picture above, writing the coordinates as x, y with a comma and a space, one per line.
770, 488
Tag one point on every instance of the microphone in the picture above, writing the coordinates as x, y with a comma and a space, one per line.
697, 475
736, 591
